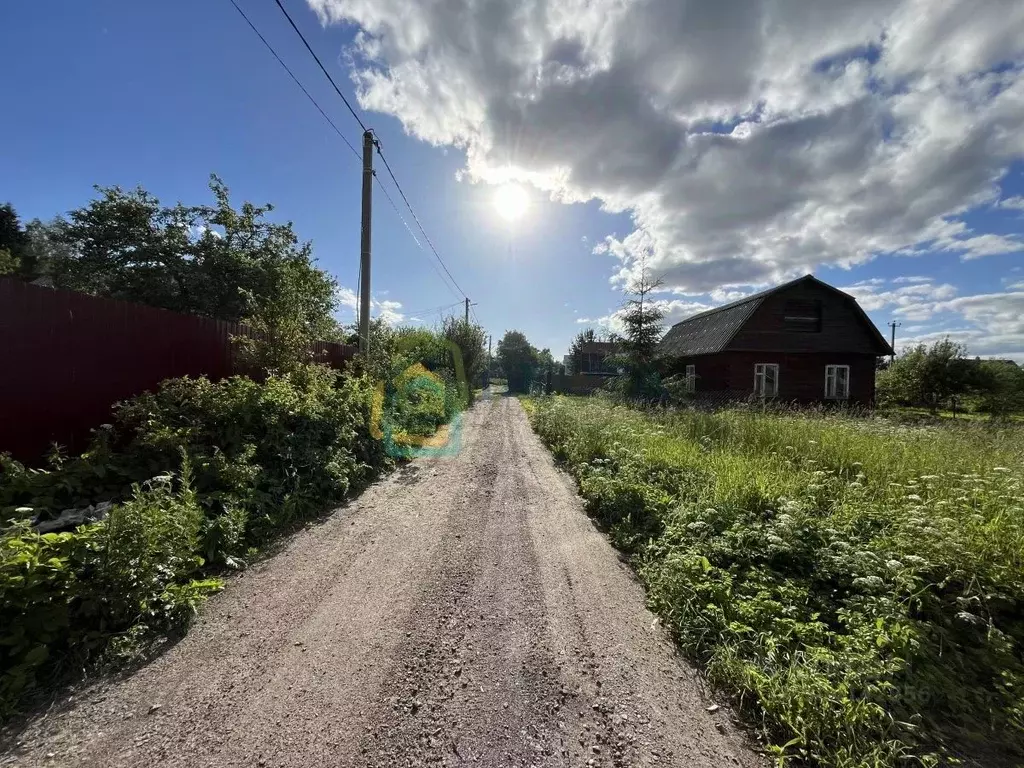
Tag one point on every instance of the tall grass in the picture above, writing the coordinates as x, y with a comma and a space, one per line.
858, 586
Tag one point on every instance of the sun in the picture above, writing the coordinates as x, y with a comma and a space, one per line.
511, 201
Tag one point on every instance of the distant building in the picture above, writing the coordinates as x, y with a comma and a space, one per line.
801, 341
593, 358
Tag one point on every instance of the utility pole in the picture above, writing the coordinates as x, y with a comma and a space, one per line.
489, 337
892, 343
467, 310
364, 252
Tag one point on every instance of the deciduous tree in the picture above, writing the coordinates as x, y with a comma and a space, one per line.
518, 359
928, 376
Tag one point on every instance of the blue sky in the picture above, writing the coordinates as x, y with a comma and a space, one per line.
884, 155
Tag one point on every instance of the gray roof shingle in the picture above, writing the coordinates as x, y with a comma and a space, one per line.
709, 332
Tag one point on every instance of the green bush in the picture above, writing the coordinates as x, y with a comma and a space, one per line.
254, 459
67, 598
264, 455
859, 589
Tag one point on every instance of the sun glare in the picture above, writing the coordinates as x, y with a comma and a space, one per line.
511, 202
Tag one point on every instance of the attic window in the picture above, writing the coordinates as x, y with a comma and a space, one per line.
802, 316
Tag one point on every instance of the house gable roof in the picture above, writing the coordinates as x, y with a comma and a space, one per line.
710, 332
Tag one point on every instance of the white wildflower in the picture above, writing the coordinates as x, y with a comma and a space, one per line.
867, 581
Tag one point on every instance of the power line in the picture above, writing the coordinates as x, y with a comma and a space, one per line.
408, 229
417, 220
362, 125
296, 79
432, 310
322, 67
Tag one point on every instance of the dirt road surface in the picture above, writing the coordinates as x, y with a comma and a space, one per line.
462, 612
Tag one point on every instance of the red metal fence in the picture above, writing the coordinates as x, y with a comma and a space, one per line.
66, 358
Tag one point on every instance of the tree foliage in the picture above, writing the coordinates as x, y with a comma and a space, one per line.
928, 376
519, 360
18, 255
641, 318
13, 239
208, 260
576, 349
471, 341
1000, 385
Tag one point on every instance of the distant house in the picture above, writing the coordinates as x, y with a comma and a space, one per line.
802, 341
593, 358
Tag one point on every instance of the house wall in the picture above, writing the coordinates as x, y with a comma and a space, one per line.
801, 375
842, 327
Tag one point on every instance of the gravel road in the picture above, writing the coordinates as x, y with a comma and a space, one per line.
464, 611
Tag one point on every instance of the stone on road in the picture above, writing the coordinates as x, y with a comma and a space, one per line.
464, 611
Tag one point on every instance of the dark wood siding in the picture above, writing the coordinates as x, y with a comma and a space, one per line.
712, 372
801, 375
842, 329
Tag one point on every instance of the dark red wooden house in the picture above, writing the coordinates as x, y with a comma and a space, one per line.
802, 341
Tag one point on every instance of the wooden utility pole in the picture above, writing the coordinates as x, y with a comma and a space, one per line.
892, 343
467, 310
364, 243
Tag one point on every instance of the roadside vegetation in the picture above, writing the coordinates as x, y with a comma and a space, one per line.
942, 380
856, 585
197, 478
520, 365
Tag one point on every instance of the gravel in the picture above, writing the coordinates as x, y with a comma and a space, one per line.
464, 611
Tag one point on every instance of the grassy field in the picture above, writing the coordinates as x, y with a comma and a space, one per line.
857, 586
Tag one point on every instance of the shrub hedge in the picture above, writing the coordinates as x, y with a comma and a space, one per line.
203, 475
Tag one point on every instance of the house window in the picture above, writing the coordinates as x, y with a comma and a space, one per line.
802, 316
766, 379
691, 379
837, 382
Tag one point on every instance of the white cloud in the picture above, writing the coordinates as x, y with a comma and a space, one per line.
991, 325
389, 310
1013, 203
910, 279
347, 297
915, 301
749, 140
674, 310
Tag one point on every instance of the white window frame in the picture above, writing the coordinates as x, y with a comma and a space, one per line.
691, 379
832, 382
760, 377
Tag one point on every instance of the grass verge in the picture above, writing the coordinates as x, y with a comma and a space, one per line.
857, 586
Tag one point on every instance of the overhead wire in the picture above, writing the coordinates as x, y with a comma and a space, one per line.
419, 224
296, 79
432, 310
411, 233
321, 64
416, 218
